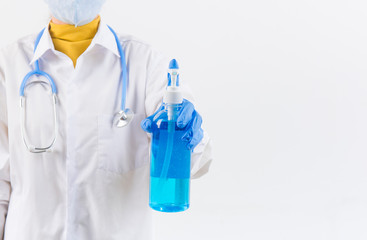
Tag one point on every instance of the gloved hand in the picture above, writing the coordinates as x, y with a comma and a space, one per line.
187, 116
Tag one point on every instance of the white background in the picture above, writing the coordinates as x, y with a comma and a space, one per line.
282, 87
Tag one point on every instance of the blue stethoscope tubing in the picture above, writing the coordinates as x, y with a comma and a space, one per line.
123, 117
37, 71
123, 69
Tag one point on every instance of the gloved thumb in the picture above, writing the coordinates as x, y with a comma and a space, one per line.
146, 125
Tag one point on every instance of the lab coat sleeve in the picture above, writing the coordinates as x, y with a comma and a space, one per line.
5, 187
201, 157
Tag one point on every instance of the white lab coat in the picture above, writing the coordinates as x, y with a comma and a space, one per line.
95, 183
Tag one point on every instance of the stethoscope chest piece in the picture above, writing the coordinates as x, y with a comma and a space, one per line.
123, 118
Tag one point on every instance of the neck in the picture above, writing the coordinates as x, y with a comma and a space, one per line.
56, 21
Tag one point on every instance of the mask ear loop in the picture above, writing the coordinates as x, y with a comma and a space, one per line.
38, 72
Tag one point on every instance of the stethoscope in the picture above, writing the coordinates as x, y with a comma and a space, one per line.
122, 118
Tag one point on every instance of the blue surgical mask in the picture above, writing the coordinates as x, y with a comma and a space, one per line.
75, 12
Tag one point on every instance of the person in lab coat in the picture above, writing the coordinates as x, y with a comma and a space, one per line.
94, 184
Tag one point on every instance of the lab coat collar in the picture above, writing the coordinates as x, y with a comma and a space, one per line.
44, 45
104, 37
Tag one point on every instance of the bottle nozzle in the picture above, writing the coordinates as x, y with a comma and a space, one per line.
173, 74
173, 64
173, 95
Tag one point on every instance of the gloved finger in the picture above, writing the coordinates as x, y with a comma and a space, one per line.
187, 136
194, 127
194, 134
196, 139
198, 120
185, 116
146, 124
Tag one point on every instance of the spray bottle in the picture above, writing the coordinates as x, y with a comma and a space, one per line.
170, 158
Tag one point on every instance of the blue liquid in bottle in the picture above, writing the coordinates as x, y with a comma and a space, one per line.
170, 166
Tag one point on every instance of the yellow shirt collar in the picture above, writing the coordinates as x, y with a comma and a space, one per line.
70, 33
104, 38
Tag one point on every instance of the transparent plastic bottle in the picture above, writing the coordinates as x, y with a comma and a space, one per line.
170, 165
170, 157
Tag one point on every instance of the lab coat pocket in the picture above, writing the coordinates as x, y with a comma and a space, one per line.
121, 150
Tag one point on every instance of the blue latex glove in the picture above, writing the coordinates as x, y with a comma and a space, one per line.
189, 117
